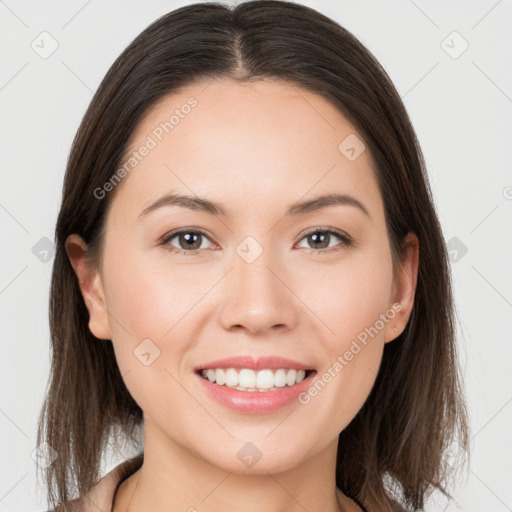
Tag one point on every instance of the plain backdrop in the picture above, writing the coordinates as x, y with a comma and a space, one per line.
450, 62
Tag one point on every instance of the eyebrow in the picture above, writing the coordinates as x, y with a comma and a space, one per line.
300, 208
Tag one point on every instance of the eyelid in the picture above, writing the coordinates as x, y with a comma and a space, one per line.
178, 231
346, 239
171, 234
338, 232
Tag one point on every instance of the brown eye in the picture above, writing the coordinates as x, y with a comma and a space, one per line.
319, 240
325, 239
188, 241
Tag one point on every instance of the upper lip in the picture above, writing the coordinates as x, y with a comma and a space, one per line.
255, 363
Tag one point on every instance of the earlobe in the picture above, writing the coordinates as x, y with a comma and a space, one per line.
404, 288
91, 287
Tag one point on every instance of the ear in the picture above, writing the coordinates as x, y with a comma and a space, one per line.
404, 288
91, 286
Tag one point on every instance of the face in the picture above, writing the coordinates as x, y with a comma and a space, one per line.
186, 286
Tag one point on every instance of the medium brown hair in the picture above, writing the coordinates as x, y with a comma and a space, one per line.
416, 410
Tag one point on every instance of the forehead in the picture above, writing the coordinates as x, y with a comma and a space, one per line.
246, 144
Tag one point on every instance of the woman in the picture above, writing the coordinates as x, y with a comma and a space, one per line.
250, 268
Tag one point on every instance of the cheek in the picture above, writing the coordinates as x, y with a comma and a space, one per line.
356, 335
148, 319
349, 301
348, 298
142, 305
149, 299
156, 304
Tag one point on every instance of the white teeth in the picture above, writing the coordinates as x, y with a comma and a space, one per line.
264, 379
220, 376
246, 379
231, 378
291, 376
280, 378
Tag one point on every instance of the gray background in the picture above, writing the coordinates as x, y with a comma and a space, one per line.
460, 103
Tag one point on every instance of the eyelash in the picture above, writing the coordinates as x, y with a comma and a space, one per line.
346, 241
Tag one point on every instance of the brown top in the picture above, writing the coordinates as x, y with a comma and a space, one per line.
101, 496
124, 470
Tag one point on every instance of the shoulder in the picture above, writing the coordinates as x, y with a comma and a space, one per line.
397, 507
100, 497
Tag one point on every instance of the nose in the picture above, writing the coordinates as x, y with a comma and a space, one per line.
258, 296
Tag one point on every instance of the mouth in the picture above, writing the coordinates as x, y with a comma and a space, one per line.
250, 380
255, 385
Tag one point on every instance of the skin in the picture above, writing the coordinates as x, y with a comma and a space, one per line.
256, 148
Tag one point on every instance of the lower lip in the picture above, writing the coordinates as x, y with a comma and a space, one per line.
255, 402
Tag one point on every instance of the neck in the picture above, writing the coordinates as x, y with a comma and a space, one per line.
174, 478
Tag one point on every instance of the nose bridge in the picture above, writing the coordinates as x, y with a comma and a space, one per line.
256, 295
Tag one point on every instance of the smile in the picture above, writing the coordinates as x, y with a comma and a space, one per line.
246, 379
268, 398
